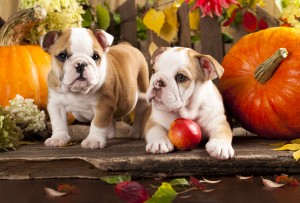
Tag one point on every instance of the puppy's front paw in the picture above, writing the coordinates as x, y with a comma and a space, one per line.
163, 145
220, 149
93, 142
57, 141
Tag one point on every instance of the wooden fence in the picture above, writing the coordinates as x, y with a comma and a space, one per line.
210, 32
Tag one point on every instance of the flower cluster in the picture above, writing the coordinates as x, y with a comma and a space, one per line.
212, 7
10, 133
61, 14
26, 115
291, 13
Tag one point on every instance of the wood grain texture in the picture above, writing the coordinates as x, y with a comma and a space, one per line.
126, 156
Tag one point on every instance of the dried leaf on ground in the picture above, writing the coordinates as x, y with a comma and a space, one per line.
210, 181
164, 194
54, 193
271, 184
292, 147
244, 177
196, 183
132, 192
115, 179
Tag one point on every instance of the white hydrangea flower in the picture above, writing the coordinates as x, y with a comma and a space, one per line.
26, 114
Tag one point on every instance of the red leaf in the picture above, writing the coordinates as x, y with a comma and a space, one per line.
132, 192
262, 24
67, 188
249, 21
287, 180
196, 183
231, 19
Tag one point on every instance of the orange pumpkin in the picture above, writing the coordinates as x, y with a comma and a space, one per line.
265, 100
23, 68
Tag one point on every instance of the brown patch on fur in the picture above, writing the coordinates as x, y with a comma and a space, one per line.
127, 73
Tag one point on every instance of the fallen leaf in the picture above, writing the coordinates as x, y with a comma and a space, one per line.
210, 190
196, 183
295, 141
115, 179
285, 179
132, 192
292, 147
67, 188
164, 194
211, 181
184, 196
296, 155
54, 193
279, 144
271, 184
244, 177
179, 181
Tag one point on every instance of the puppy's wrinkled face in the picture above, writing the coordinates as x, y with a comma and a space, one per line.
176, 73
76, 58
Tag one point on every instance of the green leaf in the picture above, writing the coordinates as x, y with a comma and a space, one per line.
115, 179
179, 181
164, 194
103, 17
87, 18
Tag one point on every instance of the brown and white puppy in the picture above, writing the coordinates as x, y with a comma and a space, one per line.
181, 86
95, 82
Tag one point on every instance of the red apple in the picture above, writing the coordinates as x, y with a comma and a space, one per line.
184, 134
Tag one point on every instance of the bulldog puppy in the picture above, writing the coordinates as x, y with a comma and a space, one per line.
181, 86
95, 82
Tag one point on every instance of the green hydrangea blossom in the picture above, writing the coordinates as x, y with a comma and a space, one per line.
61, 14
10, 133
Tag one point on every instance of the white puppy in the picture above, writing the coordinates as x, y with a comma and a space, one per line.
181, 86
95, 82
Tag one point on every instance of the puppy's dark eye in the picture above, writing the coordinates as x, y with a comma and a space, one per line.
96, 57
62, 57
180, 78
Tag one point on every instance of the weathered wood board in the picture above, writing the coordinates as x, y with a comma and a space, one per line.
125, 156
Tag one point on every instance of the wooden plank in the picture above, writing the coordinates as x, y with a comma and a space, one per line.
211, 37
125, 156
128, 14
184, 33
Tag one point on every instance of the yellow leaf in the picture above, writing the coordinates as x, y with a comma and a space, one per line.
154, 20
278, 144
292, 147
194, 18
171, 16
152, 48
296, 141
168, 32
296, 155
170, 28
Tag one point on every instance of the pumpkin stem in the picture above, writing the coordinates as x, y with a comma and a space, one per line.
19, 24
265, 70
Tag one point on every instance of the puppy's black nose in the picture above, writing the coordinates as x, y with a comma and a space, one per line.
159, 83
80, 67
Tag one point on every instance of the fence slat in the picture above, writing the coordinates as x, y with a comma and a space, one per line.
128, 14
184, 34
211, 37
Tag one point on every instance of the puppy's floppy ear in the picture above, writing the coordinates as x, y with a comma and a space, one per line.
157, 53
210, 66
105, 40
48, 40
